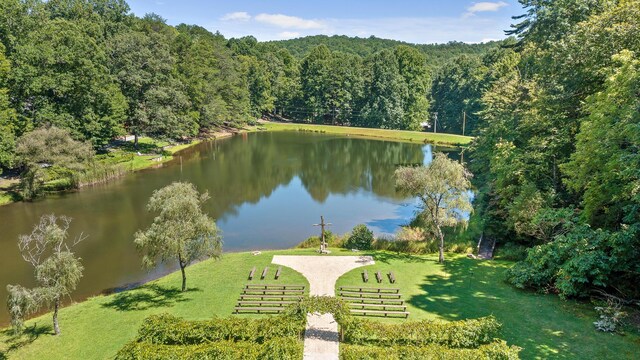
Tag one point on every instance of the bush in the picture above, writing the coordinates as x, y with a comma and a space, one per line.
332, 240
572, 264
170, 330
168, 337
276, 349
495, 351
457, 334
361, 238
511, 252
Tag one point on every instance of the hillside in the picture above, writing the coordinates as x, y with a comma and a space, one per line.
436, 53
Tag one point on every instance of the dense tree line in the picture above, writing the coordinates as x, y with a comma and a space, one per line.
94, 70
557, 119
436, 54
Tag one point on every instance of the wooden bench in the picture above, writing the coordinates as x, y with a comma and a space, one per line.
392, 277
380, 306
374, 301
265, 302
258, 309
264, 272
372, 295
380, 312
278, 272
269, 297
378, 277
253, 271
272, 291
274, 287
369, 289
365, 276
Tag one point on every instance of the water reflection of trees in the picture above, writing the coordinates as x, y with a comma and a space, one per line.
246, 169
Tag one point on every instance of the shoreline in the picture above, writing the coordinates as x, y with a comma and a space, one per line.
439, 139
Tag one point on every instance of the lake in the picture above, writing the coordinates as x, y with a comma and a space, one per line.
267, 190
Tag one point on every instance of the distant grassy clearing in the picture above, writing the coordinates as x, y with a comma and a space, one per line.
395, 135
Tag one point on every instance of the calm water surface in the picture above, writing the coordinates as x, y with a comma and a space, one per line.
267, 189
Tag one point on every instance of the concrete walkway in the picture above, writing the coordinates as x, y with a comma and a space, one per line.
321, 335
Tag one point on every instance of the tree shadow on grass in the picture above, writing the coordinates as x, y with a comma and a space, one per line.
386, 257
148, 296
26, 337
469, 289
463, 292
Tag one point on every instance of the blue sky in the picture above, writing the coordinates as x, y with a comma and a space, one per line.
415, 21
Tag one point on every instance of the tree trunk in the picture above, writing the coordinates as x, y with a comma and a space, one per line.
135, 140
56, 327
184, 276
441, 235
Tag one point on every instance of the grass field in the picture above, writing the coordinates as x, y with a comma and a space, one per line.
545, 326
395, 135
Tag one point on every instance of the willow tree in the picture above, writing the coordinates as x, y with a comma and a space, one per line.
181, 230
443, 188
56, 268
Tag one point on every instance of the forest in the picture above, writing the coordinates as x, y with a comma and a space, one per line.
554, 108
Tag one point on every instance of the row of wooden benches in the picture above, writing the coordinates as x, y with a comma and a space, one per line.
268, 298
379, 278
264, 273
374, 301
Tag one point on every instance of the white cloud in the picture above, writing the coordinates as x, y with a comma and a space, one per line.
288, 35
236, 16
486, 6
289, 22
420, 30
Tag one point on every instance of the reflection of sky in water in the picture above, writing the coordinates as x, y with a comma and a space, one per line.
277, 228
276, 219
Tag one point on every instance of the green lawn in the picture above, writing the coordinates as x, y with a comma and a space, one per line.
99, 327
543, 325
395, 135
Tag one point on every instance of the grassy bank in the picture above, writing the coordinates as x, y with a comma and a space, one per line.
543, 325
394, 135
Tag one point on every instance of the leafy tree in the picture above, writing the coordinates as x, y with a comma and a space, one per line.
258, 83
57, 270
443, 189
315, 72
385, 91
604, 166
413, 68
456, 91
210, 76
47, 150
60, 77
181, 230
7, 115
360, 238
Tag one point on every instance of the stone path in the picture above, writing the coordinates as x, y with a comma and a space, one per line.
321, 335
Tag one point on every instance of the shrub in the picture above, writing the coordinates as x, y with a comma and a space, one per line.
361, 238
511, 251
319, 304
496, 350
276, 349
571, 264
170, 330
332, 240
457, 334
610, 315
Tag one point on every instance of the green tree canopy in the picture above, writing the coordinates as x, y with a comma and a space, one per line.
443, 188
181, 230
